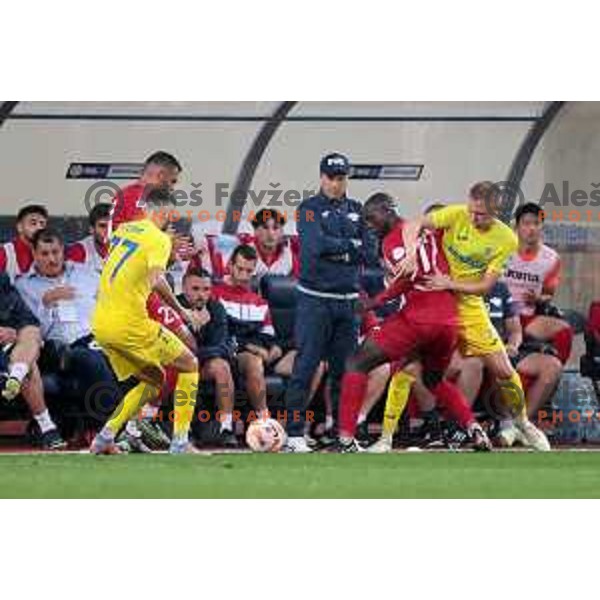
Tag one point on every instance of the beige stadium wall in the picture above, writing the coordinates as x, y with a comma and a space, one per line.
473, 140
454, 156
37, 153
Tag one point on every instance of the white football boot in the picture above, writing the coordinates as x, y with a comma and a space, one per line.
381, 446
297, 445
509, 435
534, 437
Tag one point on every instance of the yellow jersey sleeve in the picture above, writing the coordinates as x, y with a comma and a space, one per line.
448, 217
507, 246
158, 251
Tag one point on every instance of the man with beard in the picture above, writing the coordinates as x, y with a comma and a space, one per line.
16, 257
93, 250
212, 346
161, 171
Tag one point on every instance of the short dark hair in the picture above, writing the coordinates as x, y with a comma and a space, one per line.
265, 215
47, 236
379, 200
246, 252
100, 211
197, 272
529, 209
32, 209
163, 159
158, 198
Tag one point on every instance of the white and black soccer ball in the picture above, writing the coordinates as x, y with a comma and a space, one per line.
266, 436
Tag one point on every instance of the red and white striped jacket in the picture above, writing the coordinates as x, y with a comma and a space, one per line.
248, 315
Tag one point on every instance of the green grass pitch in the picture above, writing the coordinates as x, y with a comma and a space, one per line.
459, 475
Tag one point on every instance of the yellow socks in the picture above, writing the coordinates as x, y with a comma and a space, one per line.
131, 405
186, 392
513, 396
397, 399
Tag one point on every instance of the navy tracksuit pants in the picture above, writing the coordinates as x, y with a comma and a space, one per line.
325, 329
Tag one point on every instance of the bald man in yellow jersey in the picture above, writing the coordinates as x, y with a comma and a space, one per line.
137, 346
477, 247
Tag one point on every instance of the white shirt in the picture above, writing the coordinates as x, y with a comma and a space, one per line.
64, 321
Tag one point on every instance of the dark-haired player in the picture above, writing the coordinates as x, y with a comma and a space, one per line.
426, 327
92, 251
16, 257
250, 325
137, 346
533, 276
161, 171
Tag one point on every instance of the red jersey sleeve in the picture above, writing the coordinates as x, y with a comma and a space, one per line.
246, 239
195, 263
76, 253
3, 259
295, 248
396, 289
552, 280
217, 260
163, 314
368, 321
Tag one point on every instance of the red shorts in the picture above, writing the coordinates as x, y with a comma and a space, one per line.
402, 340
526, 320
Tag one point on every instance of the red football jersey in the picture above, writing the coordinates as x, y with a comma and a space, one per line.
128, 205
164, 314
421, 305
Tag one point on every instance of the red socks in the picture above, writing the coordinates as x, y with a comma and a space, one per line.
354, 390
563, 342
412, 408
454, 405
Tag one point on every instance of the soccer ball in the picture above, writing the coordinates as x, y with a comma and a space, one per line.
266, 435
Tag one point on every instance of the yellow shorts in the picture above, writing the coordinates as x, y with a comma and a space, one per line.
477, 335
140, 354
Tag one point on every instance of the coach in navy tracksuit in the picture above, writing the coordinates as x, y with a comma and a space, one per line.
334, 245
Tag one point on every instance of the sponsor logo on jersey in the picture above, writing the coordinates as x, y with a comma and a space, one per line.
523, 276
467, 260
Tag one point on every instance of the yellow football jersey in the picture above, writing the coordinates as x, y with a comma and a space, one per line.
471, 252
136, 248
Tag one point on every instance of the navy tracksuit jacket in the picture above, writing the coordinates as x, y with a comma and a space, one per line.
334, 246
